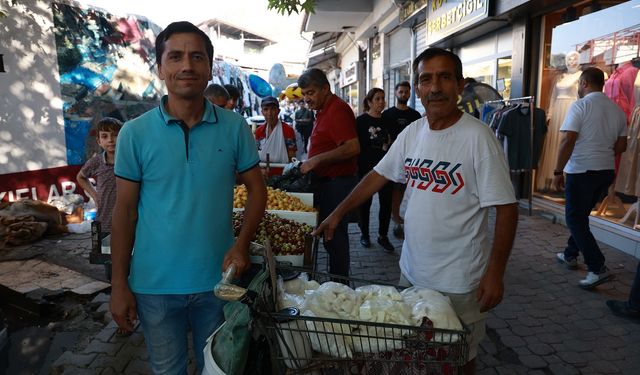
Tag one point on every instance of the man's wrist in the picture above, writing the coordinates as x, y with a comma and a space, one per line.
558, 173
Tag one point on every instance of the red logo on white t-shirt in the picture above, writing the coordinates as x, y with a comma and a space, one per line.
440, 177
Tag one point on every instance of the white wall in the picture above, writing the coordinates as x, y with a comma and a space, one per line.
31, 122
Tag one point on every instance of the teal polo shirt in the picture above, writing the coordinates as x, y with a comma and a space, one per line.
185, 205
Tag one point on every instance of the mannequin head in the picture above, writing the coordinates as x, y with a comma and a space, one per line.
572, 61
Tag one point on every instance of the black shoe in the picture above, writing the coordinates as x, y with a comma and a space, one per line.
386, 245
622, 309
365, 241
398, 231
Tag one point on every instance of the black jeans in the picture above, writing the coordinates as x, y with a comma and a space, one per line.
328, 195
582, 192
384, 215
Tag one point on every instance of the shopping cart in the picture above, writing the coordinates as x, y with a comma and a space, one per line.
313, 345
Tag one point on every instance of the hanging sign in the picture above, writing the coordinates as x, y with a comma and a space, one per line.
445, 17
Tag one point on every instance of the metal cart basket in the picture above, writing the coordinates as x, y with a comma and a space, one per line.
315, 345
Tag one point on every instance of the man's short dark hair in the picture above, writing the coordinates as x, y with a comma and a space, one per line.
403, 84
182, 27
216, 91
594, 77
313, 76
233, 91
430, 53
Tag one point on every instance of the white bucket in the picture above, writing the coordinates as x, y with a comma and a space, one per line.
210, 366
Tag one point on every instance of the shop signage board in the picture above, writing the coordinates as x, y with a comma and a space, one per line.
350, 74
445, 17
411, 8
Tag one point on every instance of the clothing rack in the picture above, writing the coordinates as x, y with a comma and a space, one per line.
530, 100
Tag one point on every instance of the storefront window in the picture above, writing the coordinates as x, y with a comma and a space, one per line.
503, 81
481, 72
607, 39
349, 94
395, 76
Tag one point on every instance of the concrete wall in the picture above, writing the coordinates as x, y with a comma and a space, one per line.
32, 133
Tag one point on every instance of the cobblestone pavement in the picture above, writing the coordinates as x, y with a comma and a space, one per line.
545, 324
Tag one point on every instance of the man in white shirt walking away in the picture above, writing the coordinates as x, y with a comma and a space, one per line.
593, 133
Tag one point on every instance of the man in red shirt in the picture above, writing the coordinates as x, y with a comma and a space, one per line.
332, 157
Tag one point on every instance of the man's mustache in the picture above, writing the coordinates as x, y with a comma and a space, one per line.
437, 97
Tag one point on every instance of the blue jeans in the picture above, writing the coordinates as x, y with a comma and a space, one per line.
582, 192
634, 296
166, 319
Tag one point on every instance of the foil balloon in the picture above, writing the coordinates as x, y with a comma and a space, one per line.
259, 86
277, 76
292, 92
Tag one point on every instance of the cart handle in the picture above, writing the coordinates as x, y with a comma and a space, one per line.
227, 291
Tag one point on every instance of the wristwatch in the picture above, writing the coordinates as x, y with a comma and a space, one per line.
558, 173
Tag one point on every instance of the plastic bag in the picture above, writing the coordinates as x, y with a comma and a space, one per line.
296, 286
329, 338
435, 306
387, 293
67, 203
84, 227
333, 300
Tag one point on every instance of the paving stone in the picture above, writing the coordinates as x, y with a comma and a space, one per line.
574, 358
563, 369
587, 325
512, 341
138, 367
101, 298
609, 354
551, 359
532, 361
73, 370
604, 367
490, 361
110, 348
577, 345
522, 350
487, 371
615, 330
495, 323
103, 308
541, 349
520, 330
74, 359
488, 346
118, 363
106, 334
109, 371
549, 338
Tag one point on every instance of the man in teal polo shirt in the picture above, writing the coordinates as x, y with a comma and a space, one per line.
175, 170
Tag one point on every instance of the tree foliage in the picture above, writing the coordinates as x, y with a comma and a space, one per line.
292, 6
3, 12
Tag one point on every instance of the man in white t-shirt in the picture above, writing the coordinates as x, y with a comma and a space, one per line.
455, 170
593, 133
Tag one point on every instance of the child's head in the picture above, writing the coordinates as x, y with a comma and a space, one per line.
107, 132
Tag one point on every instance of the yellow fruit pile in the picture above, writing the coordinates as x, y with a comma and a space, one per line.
276, 200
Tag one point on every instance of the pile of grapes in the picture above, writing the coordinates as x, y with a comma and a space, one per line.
287, 237
276, 200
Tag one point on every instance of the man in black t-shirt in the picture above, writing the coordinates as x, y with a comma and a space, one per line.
398, 118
